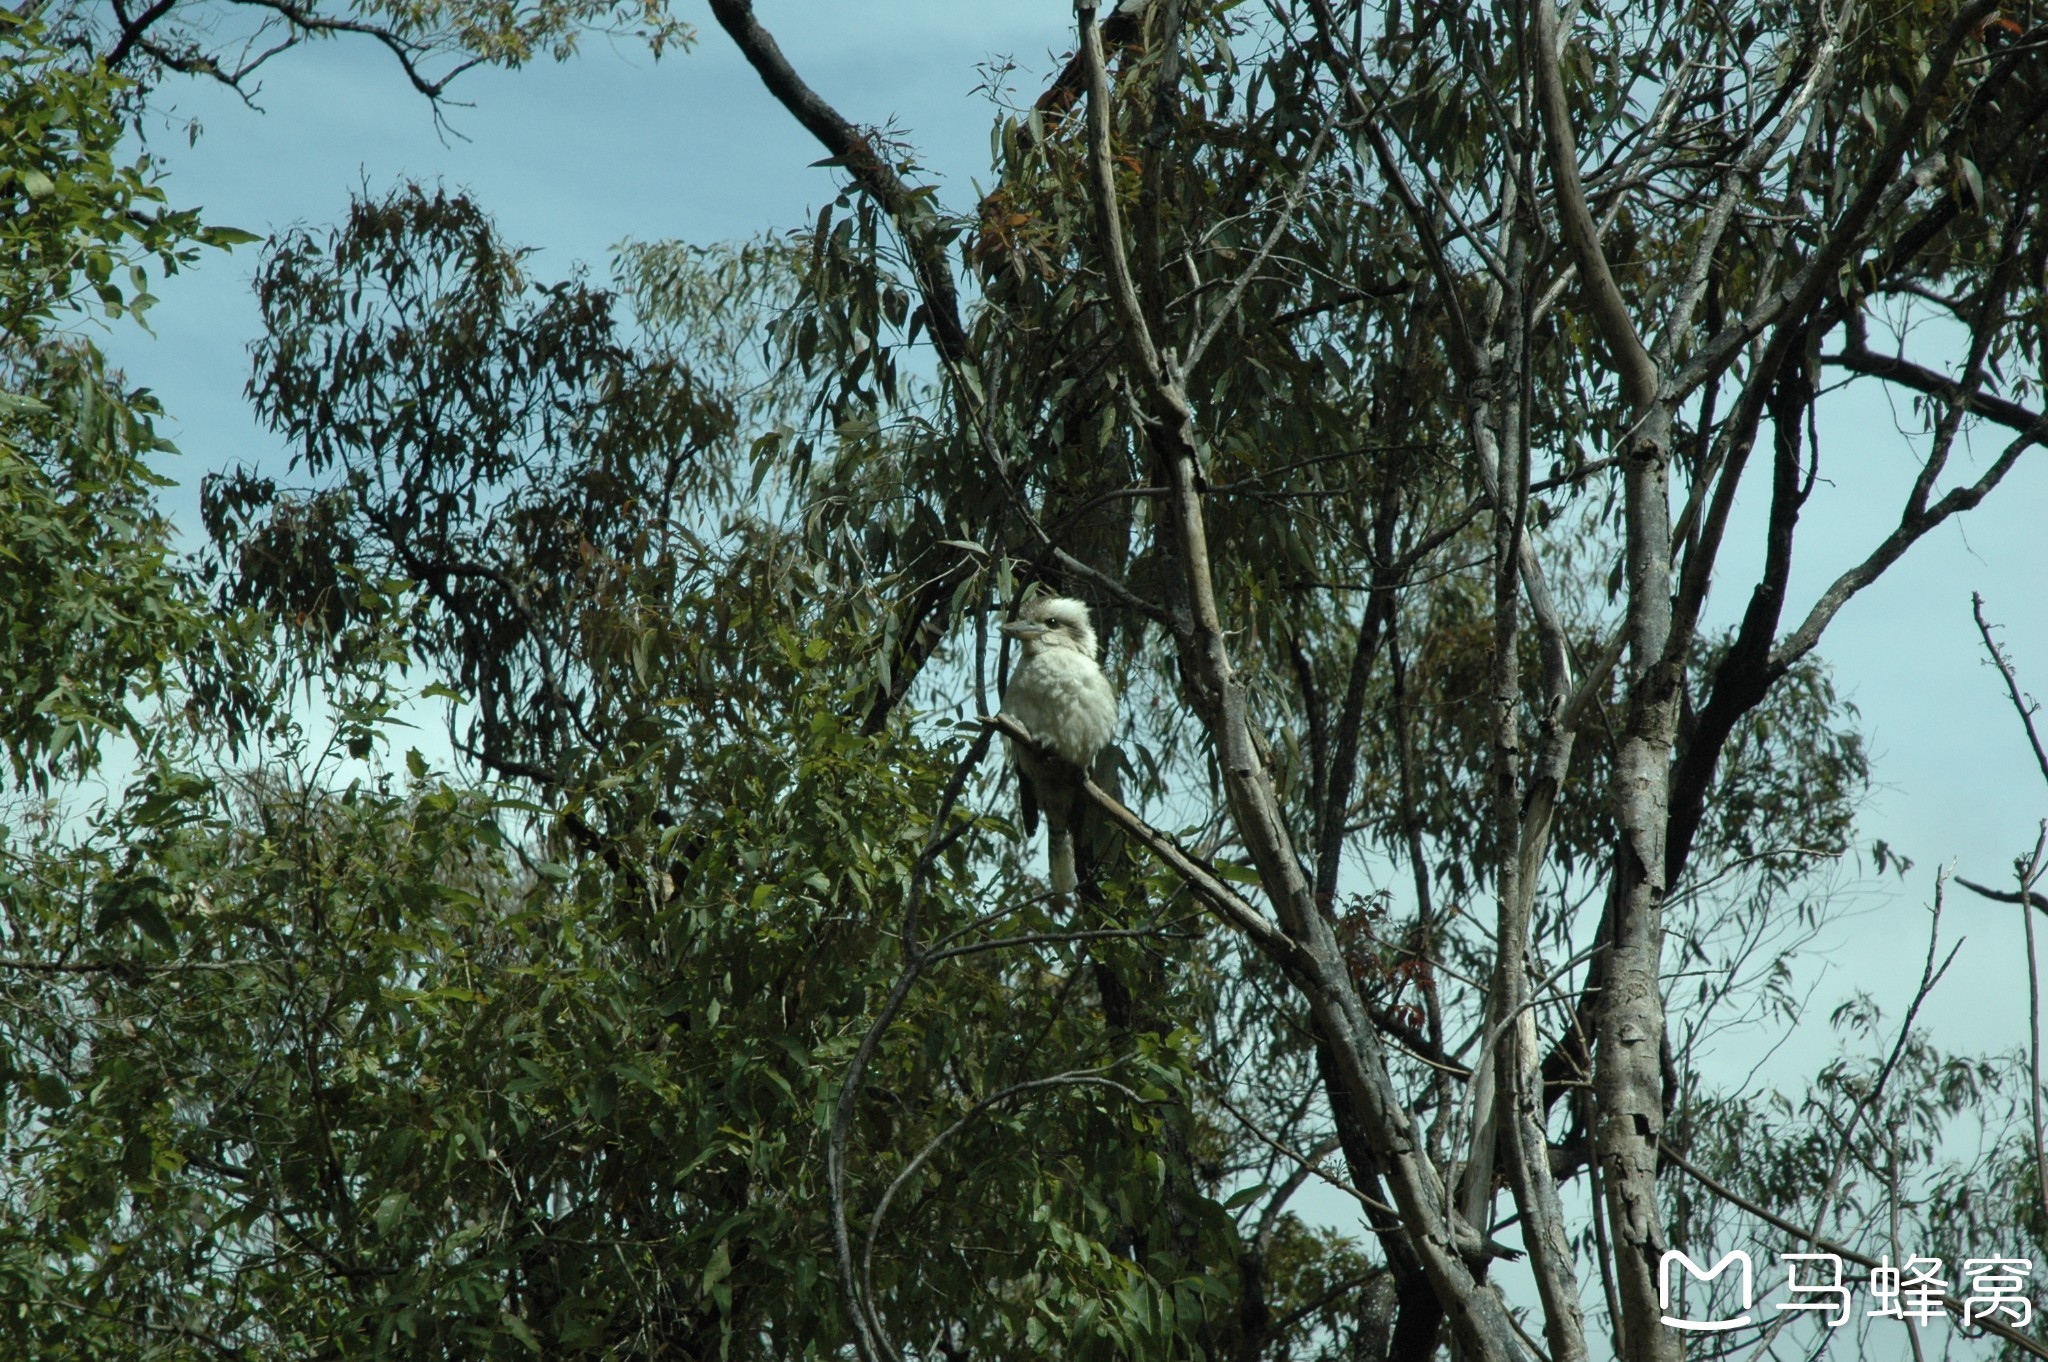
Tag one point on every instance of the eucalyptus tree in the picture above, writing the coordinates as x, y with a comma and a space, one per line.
1339, 346
1257, 343
1384, 378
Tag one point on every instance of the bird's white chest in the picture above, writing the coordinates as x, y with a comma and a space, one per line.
1065, 701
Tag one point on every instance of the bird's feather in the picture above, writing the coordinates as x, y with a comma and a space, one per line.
1027, 803
1059, 693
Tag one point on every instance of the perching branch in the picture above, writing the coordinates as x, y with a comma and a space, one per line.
1206, 884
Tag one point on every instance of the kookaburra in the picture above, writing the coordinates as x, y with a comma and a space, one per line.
1059, 693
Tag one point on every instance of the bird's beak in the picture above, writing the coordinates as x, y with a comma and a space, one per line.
1023, 629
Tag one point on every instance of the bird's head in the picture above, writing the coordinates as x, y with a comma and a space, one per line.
1054, 622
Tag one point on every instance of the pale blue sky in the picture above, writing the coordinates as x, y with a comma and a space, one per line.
572, 159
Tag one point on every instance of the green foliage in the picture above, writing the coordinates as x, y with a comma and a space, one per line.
535, 456
91, 603
1874, 1153
351, 1074
514, 34
76, 226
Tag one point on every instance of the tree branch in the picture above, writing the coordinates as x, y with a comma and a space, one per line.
855, 149
2033, 898
2012, 684
1640, 380
1911, 527
1878, 201
1439, 1236
1860, 358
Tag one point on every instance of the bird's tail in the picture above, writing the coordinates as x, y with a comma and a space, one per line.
1060, 856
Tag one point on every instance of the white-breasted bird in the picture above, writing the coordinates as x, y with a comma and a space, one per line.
1059, 693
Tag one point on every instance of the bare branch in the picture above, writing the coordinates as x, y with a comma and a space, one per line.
2033, 898
1207, 885
2012, 684
1911, 528
855, 149
1859, 358
1123, 291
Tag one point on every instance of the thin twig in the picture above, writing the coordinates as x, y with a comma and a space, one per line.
1311, 1165
870, 1339
2012, 683
1870, 1102
1280, 226
1207, 885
